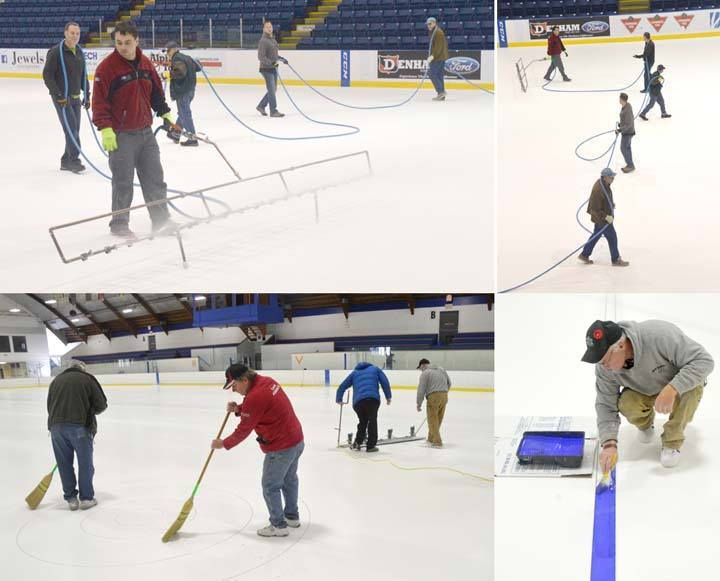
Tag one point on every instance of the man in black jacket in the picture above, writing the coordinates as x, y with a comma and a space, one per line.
183, 79
656, 85
648, 56
67, 98
74, 399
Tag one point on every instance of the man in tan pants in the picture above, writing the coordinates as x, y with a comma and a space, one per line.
644, 368
434, 386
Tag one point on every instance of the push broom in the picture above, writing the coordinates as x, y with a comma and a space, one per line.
35, 497
187, 507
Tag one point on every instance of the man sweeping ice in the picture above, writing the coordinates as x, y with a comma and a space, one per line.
642, 369
267, 410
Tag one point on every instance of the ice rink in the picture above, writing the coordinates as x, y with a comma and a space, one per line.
666, 518
666, 215
430, 193
361, 514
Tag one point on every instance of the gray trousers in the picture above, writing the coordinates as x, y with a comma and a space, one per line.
556, 63
137, 151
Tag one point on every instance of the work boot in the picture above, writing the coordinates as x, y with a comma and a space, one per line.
166, 228
547, 78
628, 169
73, 504
85, 504
643, 117
373, 449
669, 457
621, 262
70, 166
261, 111
567, 79
271, 531
277, 114
644, 91
355, 446
123, 232
646, 436
585, 259
665, 115
190, 143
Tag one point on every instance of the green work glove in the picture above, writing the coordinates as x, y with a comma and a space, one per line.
109, 139
169, 124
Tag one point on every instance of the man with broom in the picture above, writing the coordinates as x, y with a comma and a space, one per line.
267, 410
74, 399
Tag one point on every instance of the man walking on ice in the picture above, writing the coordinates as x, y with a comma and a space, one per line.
555, 48
642, 369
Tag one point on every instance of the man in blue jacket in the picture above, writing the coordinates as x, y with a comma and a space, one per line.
366, 380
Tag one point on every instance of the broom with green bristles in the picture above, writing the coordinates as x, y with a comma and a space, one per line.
187, 507
35, 497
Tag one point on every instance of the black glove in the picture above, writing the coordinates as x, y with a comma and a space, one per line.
283, 60
637, 56
86, 103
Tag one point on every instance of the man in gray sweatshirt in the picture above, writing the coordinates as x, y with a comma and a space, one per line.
434, 386
640, 369
626, 130
269, 58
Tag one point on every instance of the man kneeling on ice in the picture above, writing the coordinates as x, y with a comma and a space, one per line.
267, 410
640, 369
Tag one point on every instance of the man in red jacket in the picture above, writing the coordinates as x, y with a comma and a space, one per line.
126, 90
267, 410
555, 47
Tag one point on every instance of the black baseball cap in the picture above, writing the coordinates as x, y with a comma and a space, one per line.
422, 362
599, 338
235, 371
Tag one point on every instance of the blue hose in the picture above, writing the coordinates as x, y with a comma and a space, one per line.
102, 149
610, 150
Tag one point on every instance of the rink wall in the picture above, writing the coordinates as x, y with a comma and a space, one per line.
329, 68
469, 381
613, 28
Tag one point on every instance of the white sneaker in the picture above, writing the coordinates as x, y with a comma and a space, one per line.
646, 436
669, 457
73, 504
271, 531
85, 504
293, 523
436, 445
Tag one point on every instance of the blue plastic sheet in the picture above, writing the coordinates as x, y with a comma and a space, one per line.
551, 445
603, 546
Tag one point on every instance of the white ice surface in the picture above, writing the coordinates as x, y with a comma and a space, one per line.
666, 210
666, 519
431, 194
362, 517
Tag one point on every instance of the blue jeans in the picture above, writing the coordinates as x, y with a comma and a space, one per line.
271, 84
437, 76
72, 110
185, 118
626, 149
655, 99
611, 237
68, 440
280, 475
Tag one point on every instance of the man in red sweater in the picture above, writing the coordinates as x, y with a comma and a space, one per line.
267, 410
126, 90
555, 47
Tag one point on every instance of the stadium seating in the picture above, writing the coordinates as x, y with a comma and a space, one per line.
556, 8
40, 23
358, 24
400, 24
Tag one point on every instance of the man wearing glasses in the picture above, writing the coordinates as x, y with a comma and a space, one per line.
642, 369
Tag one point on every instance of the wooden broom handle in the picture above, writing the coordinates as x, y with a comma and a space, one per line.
227, 415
